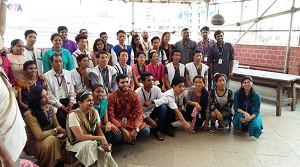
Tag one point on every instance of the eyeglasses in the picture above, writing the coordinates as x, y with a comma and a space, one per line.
85, 93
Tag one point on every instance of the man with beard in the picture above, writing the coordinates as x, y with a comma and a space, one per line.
32, 53
145, 43
67, 44
204, 46
220, 57
125, 112
186, 46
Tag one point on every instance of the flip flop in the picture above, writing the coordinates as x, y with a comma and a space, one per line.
159, 136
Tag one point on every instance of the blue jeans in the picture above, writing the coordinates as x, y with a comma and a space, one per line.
160, 113
144, 132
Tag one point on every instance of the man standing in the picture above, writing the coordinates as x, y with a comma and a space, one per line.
60, 89
125, 112
186, 46
103, 35
221, 58
121, 37
32, 53
205, 46
81, 41
153, 101
174, 68
104, 74
145, 43
67, 44
162, 57
196, 68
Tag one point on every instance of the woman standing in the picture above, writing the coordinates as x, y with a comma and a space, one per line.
136, 46
41, 121
16, 58
198, 100
85, 137
68, 63
164, 44
157, 69
139, 68
25, 84
5, 66
99, 45
220, 103
247, 115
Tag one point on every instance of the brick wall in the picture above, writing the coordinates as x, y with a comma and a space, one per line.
269, 58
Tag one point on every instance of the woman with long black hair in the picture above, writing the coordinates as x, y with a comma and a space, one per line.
247, 115
47, 133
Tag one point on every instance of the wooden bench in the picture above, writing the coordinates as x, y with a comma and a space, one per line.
273, 80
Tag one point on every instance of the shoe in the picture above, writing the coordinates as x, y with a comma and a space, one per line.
213, 128
169, 133
177, 124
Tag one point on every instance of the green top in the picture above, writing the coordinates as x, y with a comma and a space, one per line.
67, 59
101, 108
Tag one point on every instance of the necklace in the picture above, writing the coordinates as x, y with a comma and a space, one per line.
29, 83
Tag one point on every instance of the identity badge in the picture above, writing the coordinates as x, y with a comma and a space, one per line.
205, 59
220, 61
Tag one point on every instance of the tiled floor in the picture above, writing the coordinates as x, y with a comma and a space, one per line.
278, 146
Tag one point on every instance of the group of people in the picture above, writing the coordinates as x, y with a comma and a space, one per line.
75, 102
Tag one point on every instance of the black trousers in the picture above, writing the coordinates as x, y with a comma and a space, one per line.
188, 117
61, 114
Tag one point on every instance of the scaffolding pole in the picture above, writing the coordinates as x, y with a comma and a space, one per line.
288, 48
257, 20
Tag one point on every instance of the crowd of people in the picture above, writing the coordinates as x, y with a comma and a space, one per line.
75, 103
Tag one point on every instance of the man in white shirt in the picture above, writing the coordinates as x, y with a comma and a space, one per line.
153, 101
196, 68
104, 74
32, 53
60, 89
81, 41
175, 102
80, 75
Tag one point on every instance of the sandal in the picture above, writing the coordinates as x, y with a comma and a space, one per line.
159, 136
240, 130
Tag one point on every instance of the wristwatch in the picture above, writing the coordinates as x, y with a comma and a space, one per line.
137, 130
121, 129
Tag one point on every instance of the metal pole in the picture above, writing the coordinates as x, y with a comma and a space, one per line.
256, 26
132, 7
257, 20
288, 48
